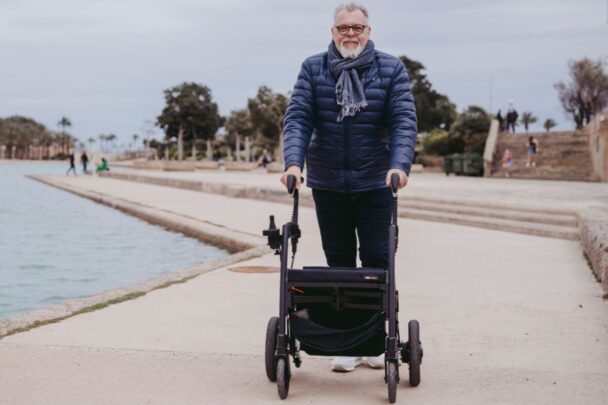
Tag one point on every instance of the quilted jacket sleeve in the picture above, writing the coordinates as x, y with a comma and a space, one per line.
401, 120
299, 118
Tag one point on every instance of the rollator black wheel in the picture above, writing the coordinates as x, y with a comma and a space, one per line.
414, 354
283, 377
392, 379
271, 344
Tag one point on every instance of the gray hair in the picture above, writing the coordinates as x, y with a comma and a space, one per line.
352, 6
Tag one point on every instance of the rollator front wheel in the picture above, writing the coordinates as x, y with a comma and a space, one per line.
271, 344
283, 377
392, 378
414, 354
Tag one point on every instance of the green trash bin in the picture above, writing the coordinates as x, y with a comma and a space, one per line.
472, 164
448, 165
457, 163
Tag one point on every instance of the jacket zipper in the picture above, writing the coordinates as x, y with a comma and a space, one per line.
347, 174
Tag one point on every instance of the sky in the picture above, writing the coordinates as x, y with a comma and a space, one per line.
105, 64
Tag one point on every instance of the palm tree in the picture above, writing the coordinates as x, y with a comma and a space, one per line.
63, 123
102, 138
135, 138
549, 123
111, 138
528, 118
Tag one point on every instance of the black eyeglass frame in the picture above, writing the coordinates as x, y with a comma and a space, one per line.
349, 27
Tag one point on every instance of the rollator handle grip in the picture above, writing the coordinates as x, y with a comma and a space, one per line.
291, 183
395, 183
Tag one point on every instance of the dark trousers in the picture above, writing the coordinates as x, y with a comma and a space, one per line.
345, 216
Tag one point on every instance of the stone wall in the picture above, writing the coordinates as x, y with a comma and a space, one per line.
594, 238
598, 144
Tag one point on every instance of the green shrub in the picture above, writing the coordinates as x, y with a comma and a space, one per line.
437, 143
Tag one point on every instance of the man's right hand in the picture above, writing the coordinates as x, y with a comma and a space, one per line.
296, 171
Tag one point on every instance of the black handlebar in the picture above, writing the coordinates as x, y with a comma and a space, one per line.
291, 183
395, 183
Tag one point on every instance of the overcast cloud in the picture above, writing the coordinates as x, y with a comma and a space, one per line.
104, 64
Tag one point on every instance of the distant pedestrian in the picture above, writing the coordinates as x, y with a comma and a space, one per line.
501, 121
512, 116
264, 159
72, 165
507, 162
103, 167
85, 161
533, 148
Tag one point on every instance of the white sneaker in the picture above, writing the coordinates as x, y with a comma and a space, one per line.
345, 364
376, 362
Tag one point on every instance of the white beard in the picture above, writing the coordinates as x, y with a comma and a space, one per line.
350, 53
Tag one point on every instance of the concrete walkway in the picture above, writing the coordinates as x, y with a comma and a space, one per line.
534, 193
505, 318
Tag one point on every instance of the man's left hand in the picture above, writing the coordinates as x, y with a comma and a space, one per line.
402, 178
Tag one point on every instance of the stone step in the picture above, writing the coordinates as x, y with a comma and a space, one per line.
550, 176
553, 231
568, 220
528, 220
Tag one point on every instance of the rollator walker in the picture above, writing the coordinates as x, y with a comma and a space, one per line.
337, 311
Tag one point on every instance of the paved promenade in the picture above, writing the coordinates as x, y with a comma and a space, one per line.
505, 318
533, 193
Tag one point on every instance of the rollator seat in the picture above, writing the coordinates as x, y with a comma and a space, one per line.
337, 274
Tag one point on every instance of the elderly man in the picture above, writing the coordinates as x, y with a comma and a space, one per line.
352, 117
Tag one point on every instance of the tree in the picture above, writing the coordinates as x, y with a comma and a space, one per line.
437, 142
528, 118
238, 124
470, 130
587, 94
267, 111
111, 138
19, 134
135, 138
189, 114
63, 123
102, 139
549, 123
434, 110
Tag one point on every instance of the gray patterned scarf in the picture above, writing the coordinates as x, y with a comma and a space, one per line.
349, 90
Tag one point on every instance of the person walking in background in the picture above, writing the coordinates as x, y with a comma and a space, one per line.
72, 164
501, 121
533, 148
85, 161
512, 116
507, 162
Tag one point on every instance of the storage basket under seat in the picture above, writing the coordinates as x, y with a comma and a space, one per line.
366, 339
332, 320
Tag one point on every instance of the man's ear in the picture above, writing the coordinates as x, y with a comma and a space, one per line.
370, 30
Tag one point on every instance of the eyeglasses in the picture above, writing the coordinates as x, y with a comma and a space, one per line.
357, 29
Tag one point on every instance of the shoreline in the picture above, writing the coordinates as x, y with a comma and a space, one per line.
241, 246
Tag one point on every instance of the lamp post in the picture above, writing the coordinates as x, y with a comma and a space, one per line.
491, 110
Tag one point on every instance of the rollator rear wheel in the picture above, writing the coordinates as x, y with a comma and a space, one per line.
414, 354
271, 344
392, 378
283, 377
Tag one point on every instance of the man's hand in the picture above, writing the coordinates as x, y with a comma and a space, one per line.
296, 171
402, 178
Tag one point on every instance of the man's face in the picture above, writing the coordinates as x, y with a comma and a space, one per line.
350, 44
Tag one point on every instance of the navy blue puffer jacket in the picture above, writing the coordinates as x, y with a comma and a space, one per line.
355, 154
